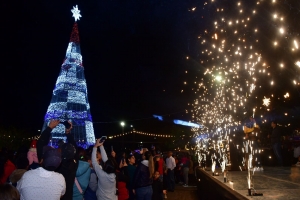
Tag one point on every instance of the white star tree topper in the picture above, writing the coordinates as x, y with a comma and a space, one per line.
76, 13
266, 101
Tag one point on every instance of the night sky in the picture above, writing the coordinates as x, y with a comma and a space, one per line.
134, 55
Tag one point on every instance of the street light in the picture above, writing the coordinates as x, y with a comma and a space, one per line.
122, 124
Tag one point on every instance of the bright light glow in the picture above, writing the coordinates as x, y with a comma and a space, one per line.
218, 78
281, 30
266, 101
296, 44
287, 95
184, 123
76, 13
122, 124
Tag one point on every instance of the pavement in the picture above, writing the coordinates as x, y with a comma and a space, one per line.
184, 193
276, 183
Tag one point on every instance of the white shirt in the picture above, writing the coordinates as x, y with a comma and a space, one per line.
170, 163
297, 152
106, 182
41, 184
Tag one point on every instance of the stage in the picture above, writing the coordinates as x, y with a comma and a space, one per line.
274, 183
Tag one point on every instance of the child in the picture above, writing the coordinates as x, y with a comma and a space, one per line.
157, 187
32, 156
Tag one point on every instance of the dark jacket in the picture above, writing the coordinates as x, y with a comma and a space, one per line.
129, 171
157, 187
142, 175
67, 168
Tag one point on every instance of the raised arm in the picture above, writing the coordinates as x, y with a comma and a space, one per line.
70, 137
103, 154
45, 137
95, 164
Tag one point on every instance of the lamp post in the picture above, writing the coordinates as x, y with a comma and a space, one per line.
122, 124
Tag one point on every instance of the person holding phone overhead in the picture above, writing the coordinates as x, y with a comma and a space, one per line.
106, 177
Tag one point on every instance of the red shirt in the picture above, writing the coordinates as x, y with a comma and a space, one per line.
160, 166
8, 169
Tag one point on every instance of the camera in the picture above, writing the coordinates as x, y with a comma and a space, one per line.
66, 123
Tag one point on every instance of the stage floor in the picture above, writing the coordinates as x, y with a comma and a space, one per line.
274, 182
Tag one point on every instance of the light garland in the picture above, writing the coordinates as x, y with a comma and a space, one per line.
141, 133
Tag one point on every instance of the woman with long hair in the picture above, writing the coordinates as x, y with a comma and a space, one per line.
142, 181
106, 177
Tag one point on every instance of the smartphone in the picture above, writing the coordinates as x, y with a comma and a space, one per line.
66, 123
112, 148
103, 138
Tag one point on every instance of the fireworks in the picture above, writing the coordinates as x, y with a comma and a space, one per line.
246, 49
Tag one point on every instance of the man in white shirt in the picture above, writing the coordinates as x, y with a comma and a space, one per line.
43, 183
170, 164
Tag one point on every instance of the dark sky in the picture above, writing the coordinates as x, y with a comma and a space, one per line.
134, 54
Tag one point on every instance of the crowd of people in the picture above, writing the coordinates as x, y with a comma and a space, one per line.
275, 142
71, 172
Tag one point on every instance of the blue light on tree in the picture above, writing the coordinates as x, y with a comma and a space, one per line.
69, 100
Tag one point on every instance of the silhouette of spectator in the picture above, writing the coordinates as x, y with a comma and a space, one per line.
6, 167
22, 164
9, 192
43, 182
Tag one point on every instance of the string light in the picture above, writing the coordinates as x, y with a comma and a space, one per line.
141, 133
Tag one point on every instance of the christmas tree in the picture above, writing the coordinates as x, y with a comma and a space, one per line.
70, 101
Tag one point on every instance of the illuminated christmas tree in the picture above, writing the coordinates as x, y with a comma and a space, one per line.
70, 101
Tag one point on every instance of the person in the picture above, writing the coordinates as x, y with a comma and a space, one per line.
6, 167
177, 171
122, 178
43, 182
130, 170
106, 177
297, 156
9, 192
157, 187
251, 123
185, 164
159, 163
32, 155
276, 142
90, 193
22, 165
69, 162
142, 180
170, 164
191, 167
82, 175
